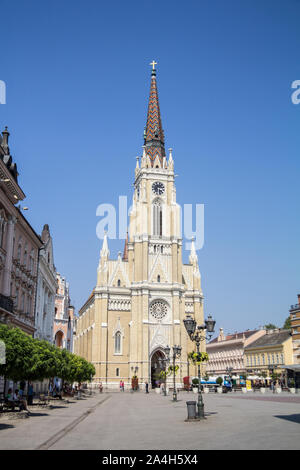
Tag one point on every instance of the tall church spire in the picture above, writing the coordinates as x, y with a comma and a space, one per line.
154, 139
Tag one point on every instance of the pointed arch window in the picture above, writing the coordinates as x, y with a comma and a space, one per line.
19, 251
119, 283
157, 218
118, 339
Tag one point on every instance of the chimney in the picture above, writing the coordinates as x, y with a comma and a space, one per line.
298, 298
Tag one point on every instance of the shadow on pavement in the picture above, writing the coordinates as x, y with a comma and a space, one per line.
5, 426
293, 418
54, 407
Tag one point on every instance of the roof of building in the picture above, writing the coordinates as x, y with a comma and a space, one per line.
5, 154
154, 139
241, 335
270, 339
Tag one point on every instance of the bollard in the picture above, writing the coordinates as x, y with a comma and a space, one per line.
191, 408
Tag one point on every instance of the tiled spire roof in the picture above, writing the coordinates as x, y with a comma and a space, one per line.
125, 253
154, 134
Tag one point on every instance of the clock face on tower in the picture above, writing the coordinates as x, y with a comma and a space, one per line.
158, 188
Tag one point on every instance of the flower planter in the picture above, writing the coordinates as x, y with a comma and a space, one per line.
206, 390
262, 390
134, 383
278, 389
244, 389
157, 390
292, 390
219, 390
195, 390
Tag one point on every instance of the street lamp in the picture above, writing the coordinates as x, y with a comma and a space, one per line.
176, 353
197, 333
163, 362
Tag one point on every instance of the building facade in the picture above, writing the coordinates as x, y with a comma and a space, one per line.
19, 249
141, 298
64, 315
228, 351
46, 289
269, 353
295, 326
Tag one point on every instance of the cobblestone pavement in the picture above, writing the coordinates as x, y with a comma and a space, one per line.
129, 421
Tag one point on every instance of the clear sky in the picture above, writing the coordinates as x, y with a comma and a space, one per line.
78, 79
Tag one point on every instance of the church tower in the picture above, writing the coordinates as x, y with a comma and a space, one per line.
141, 299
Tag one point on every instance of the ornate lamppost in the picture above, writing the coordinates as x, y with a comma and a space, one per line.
164, 362
176, 353
197, 333
229, 371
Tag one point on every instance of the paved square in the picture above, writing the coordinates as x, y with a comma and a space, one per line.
129, 421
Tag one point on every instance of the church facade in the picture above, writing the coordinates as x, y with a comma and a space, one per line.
141, 299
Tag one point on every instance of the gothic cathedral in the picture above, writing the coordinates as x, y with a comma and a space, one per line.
140, 300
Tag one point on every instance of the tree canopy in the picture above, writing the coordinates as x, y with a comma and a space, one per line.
270, 326
287, 324
29, 358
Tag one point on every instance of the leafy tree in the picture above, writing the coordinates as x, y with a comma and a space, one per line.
287, 324
19, 353
33, 359
270, 326
45, 361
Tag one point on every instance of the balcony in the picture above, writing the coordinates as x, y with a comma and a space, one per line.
294, 308
6, 303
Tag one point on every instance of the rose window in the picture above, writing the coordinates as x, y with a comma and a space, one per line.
158, 310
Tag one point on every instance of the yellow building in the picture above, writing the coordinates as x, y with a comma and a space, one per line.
141, 298
269, 353
295, 326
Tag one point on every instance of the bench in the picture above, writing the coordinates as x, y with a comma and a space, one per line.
43, 400
6, 405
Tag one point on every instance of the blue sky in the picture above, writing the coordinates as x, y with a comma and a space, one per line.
78, 78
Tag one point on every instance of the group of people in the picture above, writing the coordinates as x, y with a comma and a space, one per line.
16, 399
122, 386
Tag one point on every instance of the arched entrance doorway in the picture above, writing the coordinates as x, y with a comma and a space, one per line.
157, 365
59, 339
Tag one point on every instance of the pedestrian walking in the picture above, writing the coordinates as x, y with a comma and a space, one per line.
30, 393
100, 387
147, 386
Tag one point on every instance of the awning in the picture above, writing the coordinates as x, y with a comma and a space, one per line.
294, 367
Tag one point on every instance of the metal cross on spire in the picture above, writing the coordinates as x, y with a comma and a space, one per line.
153, 63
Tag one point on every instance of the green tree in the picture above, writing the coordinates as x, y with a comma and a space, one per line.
45, 361
19, 353
270, 326
287, 324
33, 359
